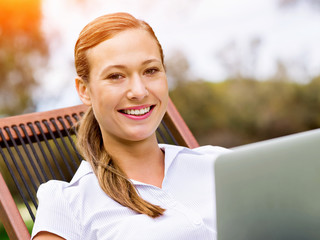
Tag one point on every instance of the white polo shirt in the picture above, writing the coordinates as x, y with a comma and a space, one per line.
81, 210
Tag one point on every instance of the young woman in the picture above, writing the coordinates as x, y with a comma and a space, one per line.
129, 187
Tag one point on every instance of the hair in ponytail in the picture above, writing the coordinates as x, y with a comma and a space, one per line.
112, 179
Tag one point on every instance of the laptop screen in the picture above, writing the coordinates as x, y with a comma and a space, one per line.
270, 190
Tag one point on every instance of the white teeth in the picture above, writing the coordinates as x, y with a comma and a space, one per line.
137, 112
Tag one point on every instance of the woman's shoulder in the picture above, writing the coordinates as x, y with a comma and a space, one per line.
201, 156
209, 149
50, 188
60, 203
56, 188
202, 150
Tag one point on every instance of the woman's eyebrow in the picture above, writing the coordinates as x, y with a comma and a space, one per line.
106, 69
150, 61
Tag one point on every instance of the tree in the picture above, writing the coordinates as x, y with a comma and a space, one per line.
22, 51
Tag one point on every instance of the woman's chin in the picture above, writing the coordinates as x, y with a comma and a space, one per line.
140, 136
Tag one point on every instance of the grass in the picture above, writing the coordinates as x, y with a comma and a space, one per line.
26, 218
4, 235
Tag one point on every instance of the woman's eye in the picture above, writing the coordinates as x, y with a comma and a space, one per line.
115, 76
151, 71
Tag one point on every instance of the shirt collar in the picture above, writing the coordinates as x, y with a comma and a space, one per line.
84, 169
171, 152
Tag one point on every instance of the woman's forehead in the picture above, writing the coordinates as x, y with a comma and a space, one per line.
126, 42
126, 48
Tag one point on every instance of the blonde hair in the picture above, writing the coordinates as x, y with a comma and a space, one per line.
112, 179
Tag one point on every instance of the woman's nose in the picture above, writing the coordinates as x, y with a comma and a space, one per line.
137, 88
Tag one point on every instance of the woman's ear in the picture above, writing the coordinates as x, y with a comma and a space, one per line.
83, 91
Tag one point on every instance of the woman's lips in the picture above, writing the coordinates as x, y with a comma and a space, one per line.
138, 112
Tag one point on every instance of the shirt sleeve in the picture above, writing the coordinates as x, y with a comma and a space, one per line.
54, 213
212, 150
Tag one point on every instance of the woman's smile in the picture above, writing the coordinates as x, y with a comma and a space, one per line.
138, 112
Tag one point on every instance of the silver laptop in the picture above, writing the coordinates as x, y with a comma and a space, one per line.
270, 190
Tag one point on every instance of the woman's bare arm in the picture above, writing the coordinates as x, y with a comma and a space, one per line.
47, 236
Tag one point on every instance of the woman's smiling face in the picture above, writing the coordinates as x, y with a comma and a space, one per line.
127, 86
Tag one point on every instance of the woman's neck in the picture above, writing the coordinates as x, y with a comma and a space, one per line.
142, 161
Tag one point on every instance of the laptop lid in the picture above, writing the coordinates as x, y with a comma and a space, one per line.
270, 190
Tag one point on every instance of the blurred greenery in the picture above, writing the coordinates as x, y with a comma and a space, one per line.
22, 52
240, 111
4, 235
29, 223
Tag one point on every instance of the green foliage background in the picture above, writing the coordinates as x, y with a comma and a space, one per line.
240, 111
